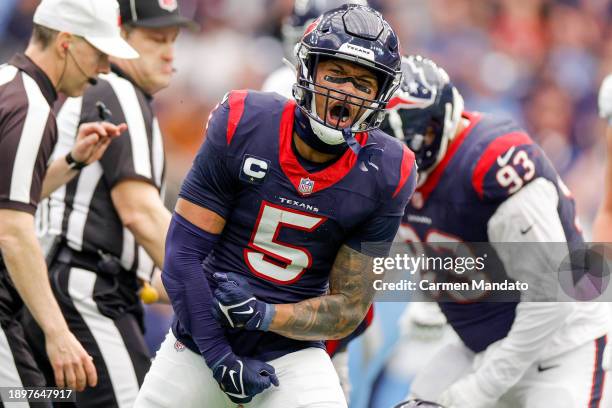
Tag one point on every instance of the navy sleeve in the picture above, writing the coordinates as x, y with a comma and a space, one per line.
375, 236
402, 189
187, 286
210, 183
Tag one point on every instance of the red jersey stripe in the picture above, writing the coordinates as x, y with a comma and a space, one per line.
236, 106
496, 148
405, 169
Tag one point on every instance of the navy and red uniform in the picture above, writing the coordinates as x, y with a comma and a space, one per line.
495, 185
287, 218
461, 195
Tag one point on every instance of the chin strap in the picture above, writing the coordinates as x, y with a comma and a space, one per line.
365, 153
304, 130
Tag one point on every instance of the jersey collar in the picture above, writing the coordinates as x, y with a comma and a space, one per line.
24, 63
115, 69
306, 183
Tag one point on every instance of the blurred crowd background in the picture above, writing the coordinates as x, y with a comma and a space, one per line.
539, 61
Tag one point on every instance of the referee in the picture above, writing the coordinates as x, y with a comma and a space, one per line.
67, 49
110, 220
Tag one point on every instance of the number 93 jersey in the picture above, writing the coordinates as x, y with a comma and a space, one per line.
461, 200
285, 220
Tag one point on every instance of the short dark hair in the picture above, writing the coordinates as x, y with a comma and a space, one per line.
43, 35
128, 28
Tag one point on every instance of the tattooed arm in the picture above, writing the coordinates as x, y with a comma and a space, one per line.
337, 314
333, 316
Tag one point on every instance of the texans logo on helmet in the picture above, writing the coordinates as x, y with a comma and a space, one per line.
417, 96
312, 26
169, 5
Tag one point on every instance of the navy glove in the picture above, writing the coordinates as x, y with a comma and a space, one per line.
242, 378
235, 306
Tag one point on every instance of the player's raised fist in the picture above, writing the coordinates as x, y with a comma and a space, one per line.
235, 306
243, 378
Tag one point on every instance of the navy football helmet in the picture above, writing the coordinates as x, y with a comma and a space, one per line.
426, 102
357, 34
417, 403
303, 14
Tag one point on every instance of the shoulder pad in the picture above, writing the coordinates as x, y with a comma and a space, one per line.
396, 156
505, 165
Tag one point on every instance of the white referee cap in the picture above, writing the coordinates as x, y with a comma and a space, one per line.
95, 20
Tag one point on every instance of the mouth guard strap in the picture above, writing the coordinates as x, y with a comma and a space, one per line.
365, 153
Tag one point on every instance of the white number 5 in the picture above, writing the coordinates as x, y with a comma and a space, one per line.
274, 260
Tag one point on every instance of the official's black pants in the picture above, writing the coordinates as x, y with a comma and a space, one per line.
104, 312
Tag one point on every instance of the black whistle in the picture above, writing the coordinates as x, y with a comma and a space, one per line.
103, 112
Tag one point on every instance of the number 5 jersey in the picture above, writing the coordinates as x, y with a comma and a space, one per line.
287, 218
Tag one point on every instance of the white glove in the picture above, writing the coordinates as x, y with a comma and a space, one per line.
465, 393
423, 321
605, 99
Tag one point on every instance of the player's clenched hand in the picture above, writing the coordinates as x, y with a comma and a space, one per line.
243, 378
93, 139
72, 366
466, 393
605, 98
235, 306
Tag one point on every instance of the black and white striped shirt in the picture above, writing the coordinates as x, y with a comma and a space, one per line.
27, 132
82, 211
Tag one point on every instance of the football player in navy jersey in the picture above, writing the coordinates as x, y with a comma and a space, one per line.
281, 81
482, 179
272, 218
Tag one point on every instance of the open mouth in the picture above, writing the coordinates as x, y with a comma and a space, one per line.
339, 115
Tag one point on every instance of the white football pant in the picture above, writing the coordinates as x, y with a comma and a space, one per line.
180, 378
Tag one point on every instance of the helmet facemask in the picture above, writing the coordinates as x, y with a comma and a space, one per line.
353, 34
367, 113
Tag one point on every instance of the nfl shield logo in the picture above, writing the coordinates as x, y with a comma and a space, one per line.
306, 186
169, 5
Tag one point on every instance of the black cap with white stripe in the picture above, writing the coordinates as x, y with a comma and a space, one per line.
154, 14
